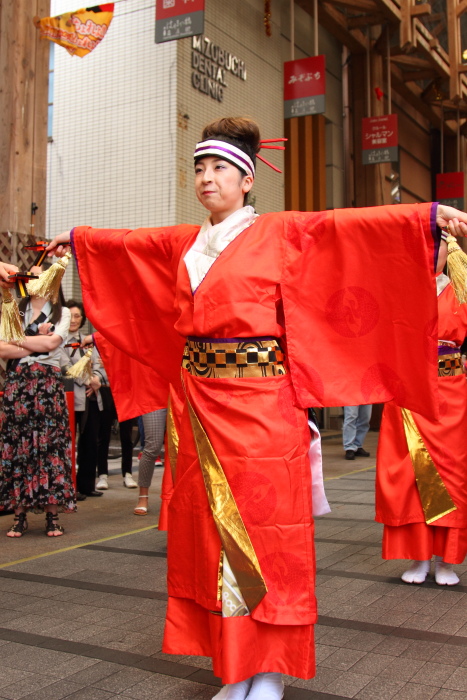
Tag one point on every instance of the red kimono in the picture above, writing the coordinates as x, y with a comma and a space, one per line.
421, 518
322, 284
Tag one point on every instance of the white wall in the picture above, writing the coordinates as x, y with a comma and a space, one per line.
111, 162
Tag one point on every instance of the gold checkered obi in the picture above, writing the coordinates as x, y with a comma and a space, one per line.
449, 361
234, 357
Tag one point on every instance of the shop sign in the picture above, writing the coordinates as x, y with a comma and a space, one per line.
380, 140
177, 19
450, 189
211, 65
304, 86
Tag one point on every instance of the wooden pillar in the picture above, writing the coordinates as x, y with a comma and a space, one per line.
305, 163
23, 116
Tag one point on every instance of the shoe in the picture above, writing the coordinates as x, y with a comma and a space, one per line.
129, 482
158, 462
19, 527
417, 573
362, 453
267, 686
93, 494
234, 691
444, 574
141, 510
80, 497
102, 484
349, 454
52, 528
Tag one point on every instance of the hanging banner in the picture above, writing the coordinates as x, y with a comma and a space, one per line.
304, 87
380, 142
177, 19
78, 32
450, 189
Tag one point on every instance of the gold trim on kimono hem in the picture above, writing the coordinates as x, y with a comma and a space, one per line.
435, 498
172, 439
232, 531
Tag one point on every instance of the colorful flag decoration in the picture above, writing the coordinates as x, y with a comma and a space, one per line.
79, 32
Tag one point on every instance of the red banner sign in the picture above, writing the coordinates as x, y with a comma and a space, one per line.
380, 139
177, 19
450, 189
304, 86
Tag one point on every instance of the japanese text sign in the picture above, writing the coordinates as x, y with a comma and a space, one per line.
304, 86
380, 139
177, 19
450, 189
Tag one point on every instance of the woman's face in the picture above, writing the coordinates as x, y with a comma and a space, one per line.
76, 318
220, 187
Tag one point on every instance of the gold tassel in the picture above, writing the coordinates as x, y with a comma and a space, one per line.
11, 328
457, 269
83, 368
48, 284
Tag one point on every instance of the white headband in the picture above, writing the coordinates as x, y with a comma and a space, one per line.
227, 151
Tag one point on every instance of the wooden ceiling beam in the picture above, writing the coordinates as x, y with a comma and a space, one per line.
412, 61
420, 10
365, 21
362, 5
390, 10
412, 93
413, 75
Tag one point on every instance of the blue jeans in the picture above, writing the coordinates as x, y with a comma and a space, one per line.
356, 425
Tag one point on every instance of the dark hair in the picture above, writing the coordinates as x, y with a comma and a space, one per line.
242, 132
79, 305
56, 307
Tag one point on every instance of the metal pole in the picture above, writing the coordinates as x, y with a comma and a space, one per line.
388, 66
292, 30
368, 78
315, 26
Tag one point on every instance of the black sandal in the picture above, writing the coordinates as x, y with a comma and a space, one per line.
19, 526
51, 526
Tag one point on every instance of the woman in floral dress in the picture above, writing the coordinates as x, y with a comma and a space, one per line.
35, 439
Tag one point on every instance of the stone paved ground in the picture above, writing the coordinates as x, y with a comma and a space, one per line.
82, 617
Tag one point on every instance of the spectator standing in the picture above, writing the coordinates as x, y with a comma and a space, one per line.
154, 430
356, 426
35, 438
88, 402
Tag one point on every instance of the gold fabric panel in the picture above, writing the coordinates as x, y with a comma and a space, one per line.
232, 532
434, 495
172, 440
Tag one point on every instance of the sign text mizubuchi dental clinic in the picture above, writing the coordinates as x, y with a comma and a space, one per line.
210, 65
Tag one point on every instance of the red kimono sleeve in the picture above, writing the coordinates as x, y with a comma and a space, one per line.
360, 306
136, 388
128, 283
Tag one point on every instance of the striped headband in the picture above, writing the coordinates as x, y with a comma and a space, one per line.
227, 151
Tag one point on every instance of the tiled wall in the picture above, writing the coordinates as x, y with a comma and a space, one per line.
111, 162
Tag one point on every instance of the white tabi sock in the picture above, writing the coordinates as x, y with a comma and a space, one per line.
267, 686
417, 573
444, 574
234, 691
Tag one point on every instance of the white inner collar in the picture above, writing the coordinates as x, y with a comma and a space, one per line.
212, 240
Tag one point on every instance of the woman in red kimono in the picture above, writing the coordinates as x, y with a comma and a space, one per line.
268, 315
421, 476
